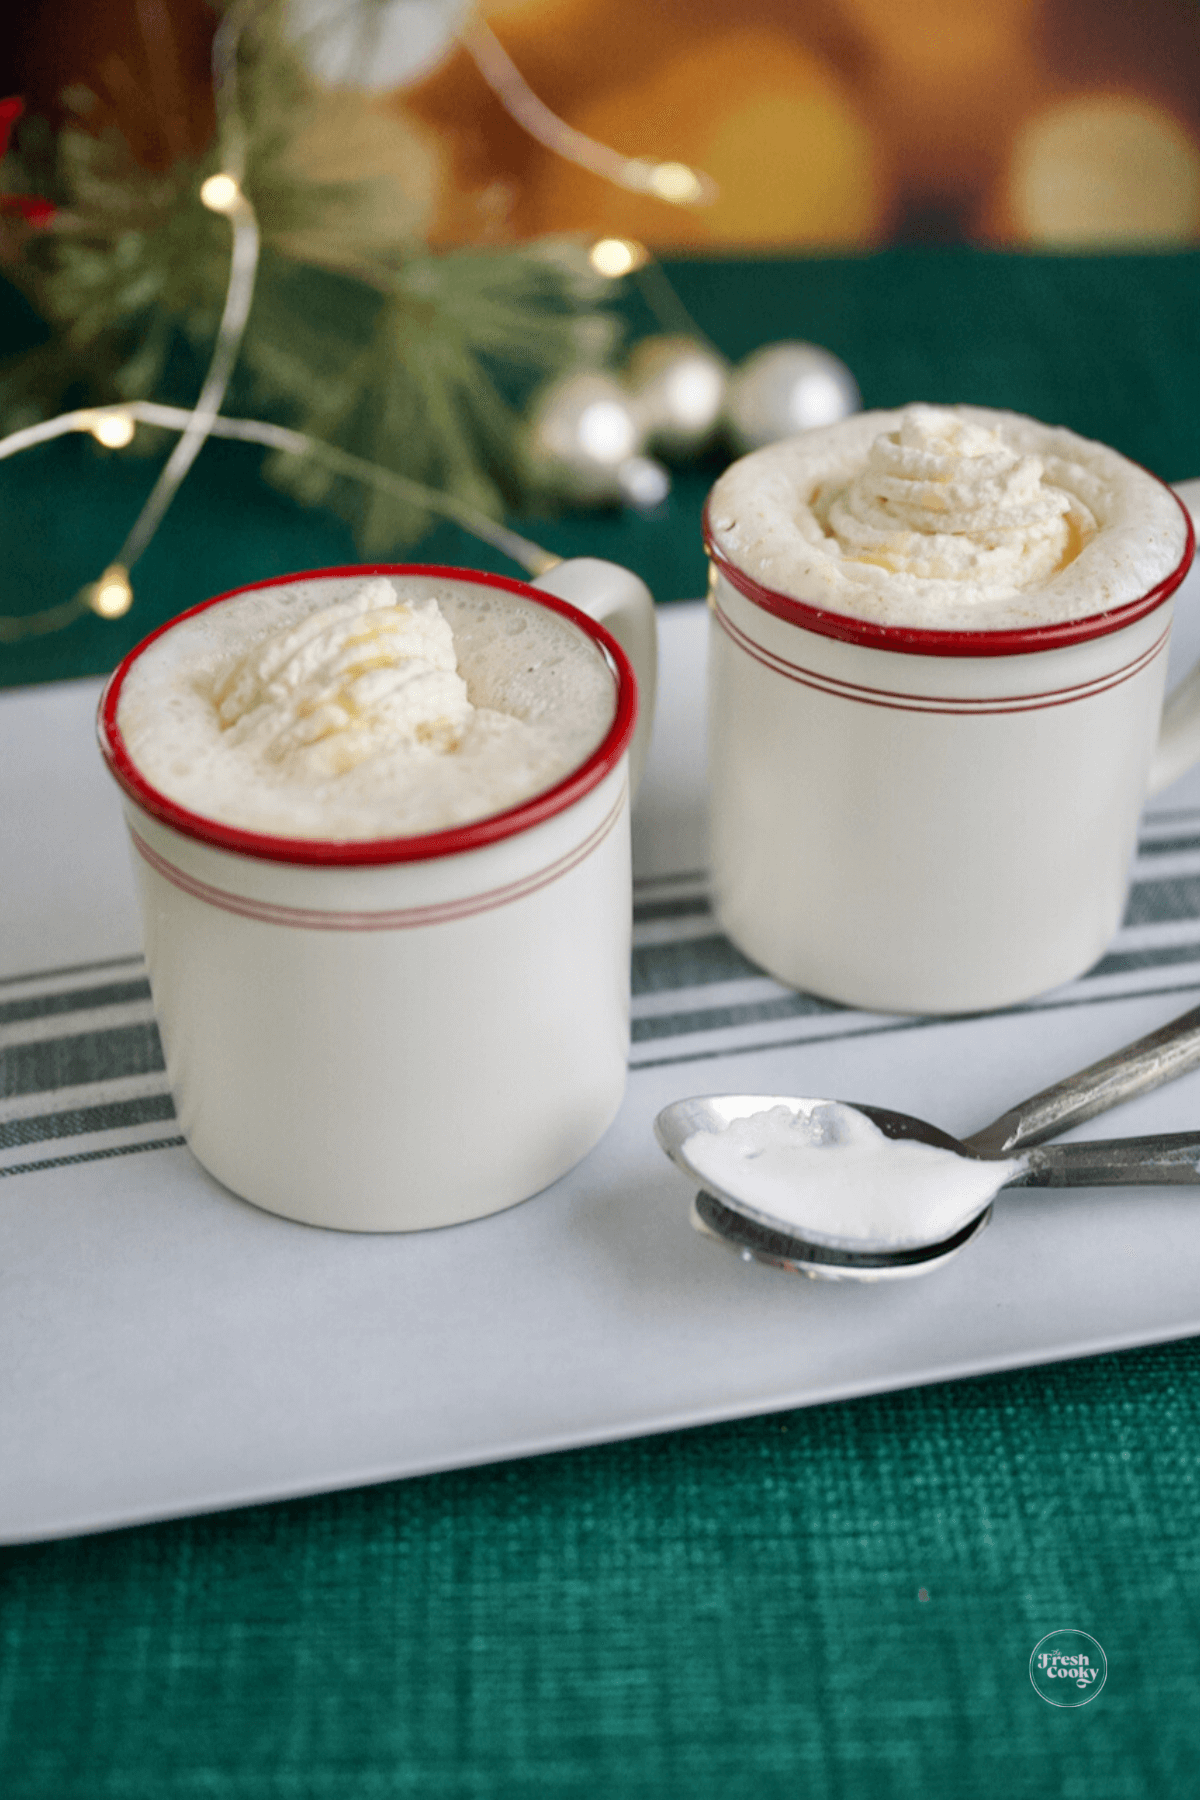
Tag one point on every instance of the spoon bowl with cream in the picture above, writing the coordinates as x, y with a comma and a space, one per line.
860, 1192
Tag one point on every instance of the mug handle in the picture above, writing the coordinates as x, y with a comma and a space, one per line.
623, 604
1179, 736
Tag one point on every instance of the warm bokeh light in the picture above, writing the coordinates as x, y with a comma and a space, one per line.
615, 257
772, 126
675, 182
690, 125
830, 124
114, 430
220, 193
112, 596
1105, 169
940, 39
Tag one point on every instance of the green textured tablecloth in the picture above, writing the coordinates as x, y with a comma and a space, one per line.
836, 1602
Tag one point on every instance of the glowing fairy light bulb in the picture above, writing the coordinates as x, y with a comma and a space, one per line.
220, 193
114, 430
111, 596
670, 181
615, 257
675, 182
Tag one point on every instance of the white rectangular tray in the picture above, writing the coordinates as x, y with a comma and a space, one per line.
165, 1348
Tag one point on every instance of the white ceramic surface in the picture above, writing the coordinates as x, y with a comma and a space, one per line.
167, 1348
929, 832
399, 1044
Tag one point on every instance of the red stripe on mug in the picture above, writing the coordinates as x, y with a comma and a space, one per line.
304, 918
946, 704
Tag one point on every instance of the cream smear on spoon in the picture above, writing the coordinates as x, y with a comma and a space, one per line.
831, 1175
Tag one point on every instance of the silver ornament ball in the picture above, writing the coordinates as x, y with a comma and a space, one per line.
786, 388
583, 429
586, 436
644, 483
678, 387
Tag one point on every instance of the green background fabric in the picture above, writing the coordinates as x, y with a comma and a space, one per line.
1109, 346
726, 1612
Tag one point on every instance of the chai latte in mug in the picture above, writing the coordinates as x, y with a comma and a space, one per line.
359, 707
953, 518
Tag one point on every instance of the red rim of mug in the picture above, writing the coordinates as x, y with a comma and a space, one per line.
351, 852
911, 640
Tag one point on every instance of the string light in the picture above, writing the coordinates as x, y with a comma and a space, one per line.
113, 429
112, 596
615, 257
220, 193
673, 182
231, 132
243, 268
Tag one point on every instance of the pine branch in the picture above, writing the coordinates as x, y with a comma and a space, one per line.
359, 335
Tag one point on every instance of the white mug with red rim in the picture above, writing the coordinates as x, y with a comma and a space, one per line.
915, 820
387, 1035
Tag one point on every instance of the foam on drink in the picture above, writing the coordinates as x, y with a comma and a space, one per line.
959, 518
347, 708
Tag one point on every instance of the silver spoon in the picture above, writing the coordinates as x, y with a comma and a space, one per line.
1142, 1066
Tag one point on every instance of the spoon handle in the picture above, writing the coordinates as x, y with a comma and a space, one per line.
1162, 1056
1115, 1162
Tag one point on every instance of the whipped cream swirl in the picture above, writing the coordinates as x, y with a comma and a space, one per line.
365, 675
962, 518
944, 498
